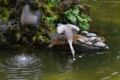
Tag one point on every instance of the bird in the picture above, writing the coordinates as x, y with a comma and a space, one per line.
67, 30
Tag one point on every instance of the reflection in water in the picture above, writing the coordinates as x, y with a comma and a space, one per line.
108, 77
20, 66
53, 65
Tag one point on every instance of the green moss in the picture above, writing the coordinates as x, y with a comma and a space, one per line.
51, 20
52, 17
49, 6
34, 38
18, 35
41, 38
5, 13
39, 33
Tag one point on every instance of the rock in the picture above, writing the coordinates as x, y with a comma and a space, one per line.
99, 44
66, 4
84, 32
92, 38
30, 18
34, 4
102, 39
84, 9
91, 35
76, 2
20, 2
81, 40
56, 36
61, 42
89, 43
4, 29
97, 39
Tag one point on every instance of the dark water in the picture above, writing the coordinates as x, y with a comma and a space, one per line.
33, 64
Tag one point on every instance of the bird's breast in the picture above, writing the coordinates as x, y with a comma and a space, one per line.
69, 33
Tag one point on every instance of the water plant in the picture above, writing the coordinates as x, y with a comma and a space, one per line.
73, 16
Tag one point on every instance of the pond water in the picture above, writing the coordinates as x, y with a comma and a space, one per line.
37, 64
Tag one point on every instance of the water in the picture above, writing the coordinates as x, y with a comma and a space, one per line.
37, 64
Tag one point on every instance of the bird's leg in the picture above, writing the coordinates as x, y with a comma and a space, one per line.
71, 47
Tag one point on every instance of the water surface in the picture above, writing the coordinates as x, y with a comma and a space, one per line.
37, 64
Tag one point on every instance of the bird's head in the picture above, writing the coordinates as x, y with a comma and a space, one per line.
60, 28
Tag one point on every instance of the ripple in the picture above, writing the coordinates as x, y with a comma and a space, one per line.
106, 78
19, 67
22, 60
114, 73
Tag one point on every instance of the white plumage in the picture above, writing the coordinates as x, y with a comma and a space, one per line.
68, 29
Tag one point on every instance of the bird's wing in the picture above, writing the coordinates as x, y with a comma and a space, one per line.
73, 27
